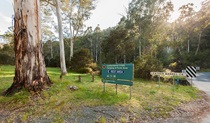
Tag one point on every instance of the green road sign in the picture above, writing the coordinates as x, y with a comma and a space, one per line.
117, 71
119, 74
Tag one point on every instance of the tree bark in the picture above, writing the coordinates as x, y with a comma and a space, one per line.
62, 52
96, 53
91, 47
188, 45
199, 41
30, 70
139, 48
124, 58
71, 48
140, 31
51, 49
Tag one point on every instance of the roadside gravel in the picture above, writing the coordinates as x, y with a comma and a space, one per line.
191, 112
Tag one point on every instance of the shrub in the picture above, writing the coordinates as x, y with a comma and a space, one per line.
7, 56
173, 66
84, 70
94, 67
81, 61
6, 59
145, 65
201, 59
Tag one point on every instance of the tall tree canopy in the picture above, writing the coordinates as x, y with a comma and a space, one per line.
75, 13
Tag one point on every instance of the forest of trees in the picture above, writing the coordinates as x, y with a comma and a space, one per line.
143, 36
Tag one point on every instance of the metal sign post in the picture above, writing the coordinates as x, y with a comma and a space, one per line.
104, 87
191, 81
116, 89
190, 72
167, 74
130, 92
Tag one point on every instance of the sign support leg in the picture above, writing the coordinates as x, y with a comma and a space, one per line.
130, 92
104, 87
116, 89
191, 81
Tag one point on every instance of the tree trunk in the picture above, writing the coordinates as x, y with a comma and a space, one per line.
124, 58
188, 45
96, 53
51, 49
199, 41
140, 42
134, 53
72, 48
30, 70
115, 59
62, 52
100, 59
179, 49
91, 48
139, 48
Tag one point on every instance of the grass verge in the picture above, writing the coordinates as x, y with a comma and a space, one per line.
58, 100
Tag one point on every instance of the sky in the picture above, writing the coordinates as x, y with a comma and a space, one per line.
107, 12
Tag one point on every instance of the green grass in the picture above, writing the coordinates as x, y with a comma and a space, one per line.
146, 95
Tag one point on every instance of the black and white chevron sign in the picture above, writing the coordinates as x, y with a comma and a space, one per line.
191, 71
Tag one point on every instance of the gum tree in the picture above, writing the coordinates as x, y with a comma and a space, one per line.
30, 70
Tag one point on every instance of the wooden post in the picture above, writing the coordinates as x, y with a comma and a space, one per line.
159, 81
93, 77
173, 83
79, 78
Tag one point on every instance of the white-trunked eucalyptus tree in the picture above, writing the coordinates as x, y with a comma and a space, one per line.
55, 7
60, 31
75, 13
30, 70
